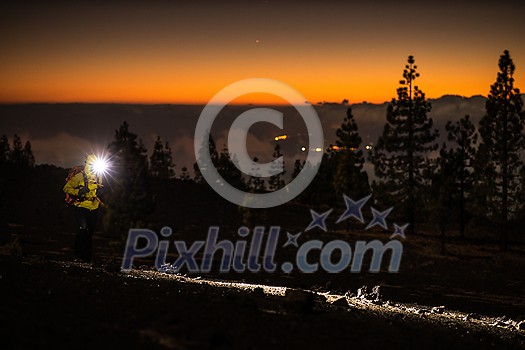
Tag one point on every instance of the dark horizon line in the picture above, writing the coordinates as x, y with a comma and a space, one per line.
234, 104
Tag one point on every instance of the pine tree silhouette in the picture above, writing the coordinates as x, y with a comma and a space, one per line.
443, 192
349, 177
501, 131
276, 181
161, 161
129, 197
16, 157
5, 150
227, 169
185, 175
27, 155
297, 167
400, 158
461, 161
212, 149
256, 184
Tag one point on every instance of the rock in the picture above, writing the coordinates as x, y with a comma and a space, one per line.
375, 295
437, 309
362, 292
349, 296
499, 323
472, 316
299, 301
521, 326
339, 301
258, 293
168, 268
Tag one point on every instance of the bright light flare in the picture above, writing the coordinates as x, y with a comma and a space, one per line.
100, 166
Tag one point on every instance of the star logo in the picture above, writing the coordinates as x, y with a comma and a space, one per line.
399, 231
379, 218
292, 239
318, 220
353, 208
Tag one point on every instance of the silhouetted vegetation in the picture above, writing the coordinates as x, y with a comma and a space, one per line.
15, 161
185, 175
459, 165
348, 159
161, 162
471, 186
401, 158
17, 156
214, 156
503, 142
256, 184
276, 181
129, 197
229, 172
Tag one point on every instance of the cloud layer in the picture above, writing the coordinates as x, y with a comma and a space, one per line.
62, 133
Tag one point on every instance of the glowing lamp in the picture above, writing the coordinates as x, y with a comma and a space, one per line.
100, 166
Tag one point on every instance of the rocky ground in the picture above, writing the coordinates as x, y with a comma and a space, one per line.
470, 298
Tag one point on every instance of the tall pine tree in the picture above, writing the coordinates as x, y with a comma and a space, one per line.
5, 150
129, 197
501, 131
16, 157
227, 169
27, 155
214, 155
161, 161
443, 192
297, 167
461, 159
349, 177
256, 184
400, 158
276, 181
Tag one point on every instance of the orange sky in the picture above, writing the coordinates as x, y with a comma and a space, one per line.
185, 53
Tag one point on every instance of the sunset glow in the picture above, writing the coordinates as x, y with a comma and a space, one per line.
182, 53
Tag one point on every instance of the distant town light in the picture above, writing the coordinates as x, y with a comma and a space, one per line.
339, 148
281, 137
369, 147
303, 148
318, 149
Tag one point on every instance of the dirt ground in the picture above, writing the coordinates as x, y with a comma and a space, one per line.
470, 298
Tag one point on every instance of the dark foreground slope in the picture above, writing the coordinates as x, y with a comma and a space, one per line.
472, 296
66, 305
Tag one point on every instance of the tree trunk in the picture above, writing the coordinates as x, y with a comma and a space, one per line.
411, 219
462, 192
505, 166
